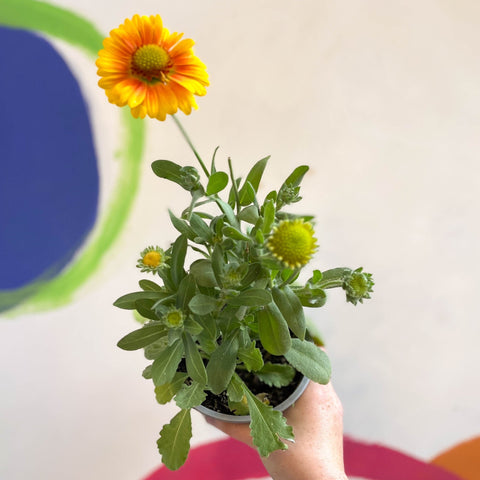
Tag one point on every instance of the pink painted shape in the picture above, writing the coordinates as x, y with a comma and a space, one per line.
232, 460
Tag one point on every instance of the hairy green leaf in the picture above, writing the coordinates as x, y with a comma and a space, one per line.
190, 396
235, 389
249, 214
268, 216
273, 330
202, 304
246, 194
267, 426
186, 291
276, 374
164, 393
222, 364
148, 285
255, 174
182, 226
234, 233
145, 309
251, 357
174, 441
310, 360
203, 273
165, 366
142, 337
291, 309
201, 229
127, 301
228, 211
217, 182
252, 297
195, 366
179, 251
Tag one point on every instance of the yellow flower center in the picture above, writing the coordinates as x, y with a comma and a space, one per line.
152, 259
149, 62
293, 243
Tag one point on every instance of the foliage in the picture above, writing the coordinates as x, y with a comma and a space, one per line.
235, 304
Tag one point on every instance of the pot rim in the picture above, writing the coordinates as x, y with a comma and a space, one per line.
246, 418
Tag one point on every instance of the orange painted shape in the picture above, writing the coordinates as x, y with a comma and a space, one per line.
462, 460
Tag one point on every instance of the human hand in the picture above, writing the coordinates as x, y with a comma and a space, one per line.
317, 421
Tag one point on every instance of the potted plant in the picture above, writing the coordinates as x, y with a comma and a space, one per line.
224, 330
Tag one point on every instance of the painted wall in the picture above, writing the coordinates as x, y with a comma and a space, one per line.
380, 98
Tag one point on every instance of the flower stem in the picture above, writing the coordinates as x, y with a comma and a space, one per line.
190, 144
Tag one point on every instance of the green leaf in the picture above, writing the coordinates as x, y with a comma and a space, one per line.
276, 374
249, 214
296, 177
127, 301
246, 194
222, 364
202, 304
235, 389
153, 350
251, 357
218, 263
291, 309
252, 297
195, 366
164, 393
201, 229
186, 291
142, 337
179, 251
190, 396
203, 272
273, 330
310, 360
217, 182
267, 426
255, 174
145, 309
167, 169
147, 372
182, 226
228, 211
234, 233
148, 285
192, 327
208, 337
268, 216
165, 366
174, 441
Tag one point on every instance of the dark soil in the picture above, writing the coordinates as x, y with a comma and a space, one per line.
275, 395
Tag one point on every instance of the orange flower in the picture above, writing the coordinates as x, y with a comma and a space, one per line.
151, 70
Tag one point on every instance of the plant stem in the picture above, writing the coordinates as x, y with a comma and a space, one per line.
234, 185
190, 144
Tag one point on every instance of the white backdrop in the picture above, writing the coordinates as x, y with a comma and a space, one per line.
382, 100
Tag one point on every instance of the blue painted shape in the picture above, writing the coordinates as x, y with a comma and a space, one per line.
48, 169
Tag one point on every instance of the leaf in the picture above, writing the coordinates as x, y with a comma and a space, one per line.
217, 182
296, 177
235, 389
142, 337
186, 291
273, 330
145, 309
192, 327
291, 309
218, 263
251, 357
229, 213
127, 301
222, 364
148, 285
147, 372
190, 396
203, 272
234, 233
202, 304
174, 441
268, 216
253, 297
267, 426
310, 360
246, 194
255, 174
276, 374
165, 366
195, 366
201, 229
208, 337
249, 214
182, 226
179, 251
164, 393
167, 169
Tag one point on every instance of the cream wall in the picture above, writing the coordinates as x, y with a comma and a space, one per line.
382, 99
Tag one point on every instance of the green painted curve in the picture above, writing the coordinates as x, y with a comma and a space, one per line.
47, 294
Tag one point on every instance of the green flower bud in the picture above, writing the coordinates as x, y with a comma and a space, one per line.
190, 178
357, 286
